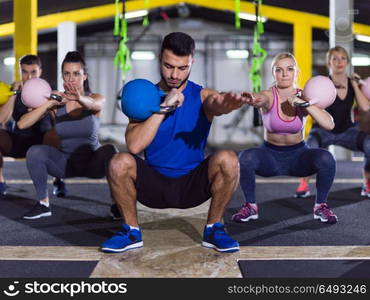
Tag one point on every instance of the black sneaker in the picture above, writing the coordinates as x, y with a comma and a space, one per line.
3, 188
59, 188
115, 213
38, 211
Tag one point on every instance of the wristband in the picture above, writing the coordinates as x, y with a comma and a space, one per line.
302, 104
56, 97
165, 109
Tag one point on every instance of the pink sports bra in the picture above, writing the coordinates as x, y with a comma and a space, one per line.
275, 124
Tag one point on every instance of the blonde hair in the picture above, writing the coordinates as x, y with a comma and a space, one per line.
281, 56
330, 52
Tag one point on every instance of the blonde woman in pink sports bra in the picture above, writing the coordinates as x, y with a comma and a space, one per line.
284, 151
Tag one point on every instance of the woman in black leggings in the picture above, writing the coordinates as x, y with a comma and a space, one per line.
77, 123
284, 151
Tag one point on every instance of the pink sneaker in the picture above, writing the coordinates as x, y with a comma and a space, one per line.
303, 190
365, 191
324, 214
247, 212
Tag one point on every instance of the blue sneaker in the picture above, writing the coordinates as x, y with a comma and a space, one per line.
3, 188
123, 240
59, 188
216, 237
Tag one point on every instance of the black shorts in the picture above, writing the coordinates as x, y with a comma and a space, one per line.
21, 144
156, 190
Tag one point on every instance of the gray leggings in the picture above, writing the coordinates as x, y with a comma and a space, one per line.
352, 139
44, 160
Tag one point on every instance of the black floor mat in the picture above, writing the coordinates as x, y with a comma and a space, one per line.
287, 221
46, 269
356, 268
82, 219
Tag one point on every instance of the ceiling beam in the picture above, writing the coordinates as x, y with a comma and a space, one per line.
85, 15
302, 22
273, 13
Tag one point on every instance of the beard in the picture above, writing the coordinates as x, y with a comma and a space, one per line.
177, 86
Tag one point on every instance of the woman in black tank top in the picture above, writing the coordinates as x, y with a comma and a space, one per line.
345, 133
76, 119
15, 142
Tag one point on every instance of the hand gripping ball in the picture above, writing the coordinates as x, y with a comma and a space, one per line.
5, 92
365, 87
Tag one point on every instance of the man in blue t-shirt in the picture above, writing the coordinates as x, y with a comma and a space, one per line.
15, 142
175, 173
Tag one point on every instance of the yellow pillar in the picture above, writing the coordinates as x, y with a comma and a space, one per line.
25, 32
302, 41
303, 52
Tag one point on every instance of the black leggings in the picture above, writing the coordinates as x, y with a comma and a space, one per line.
43, 160
296, 160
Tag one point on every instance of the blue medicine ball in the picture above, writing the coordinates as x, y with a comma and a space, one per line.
140, 98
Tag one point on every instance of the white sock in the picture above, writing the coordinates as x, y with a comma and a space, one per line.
318, 204
132, 227
45, 203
